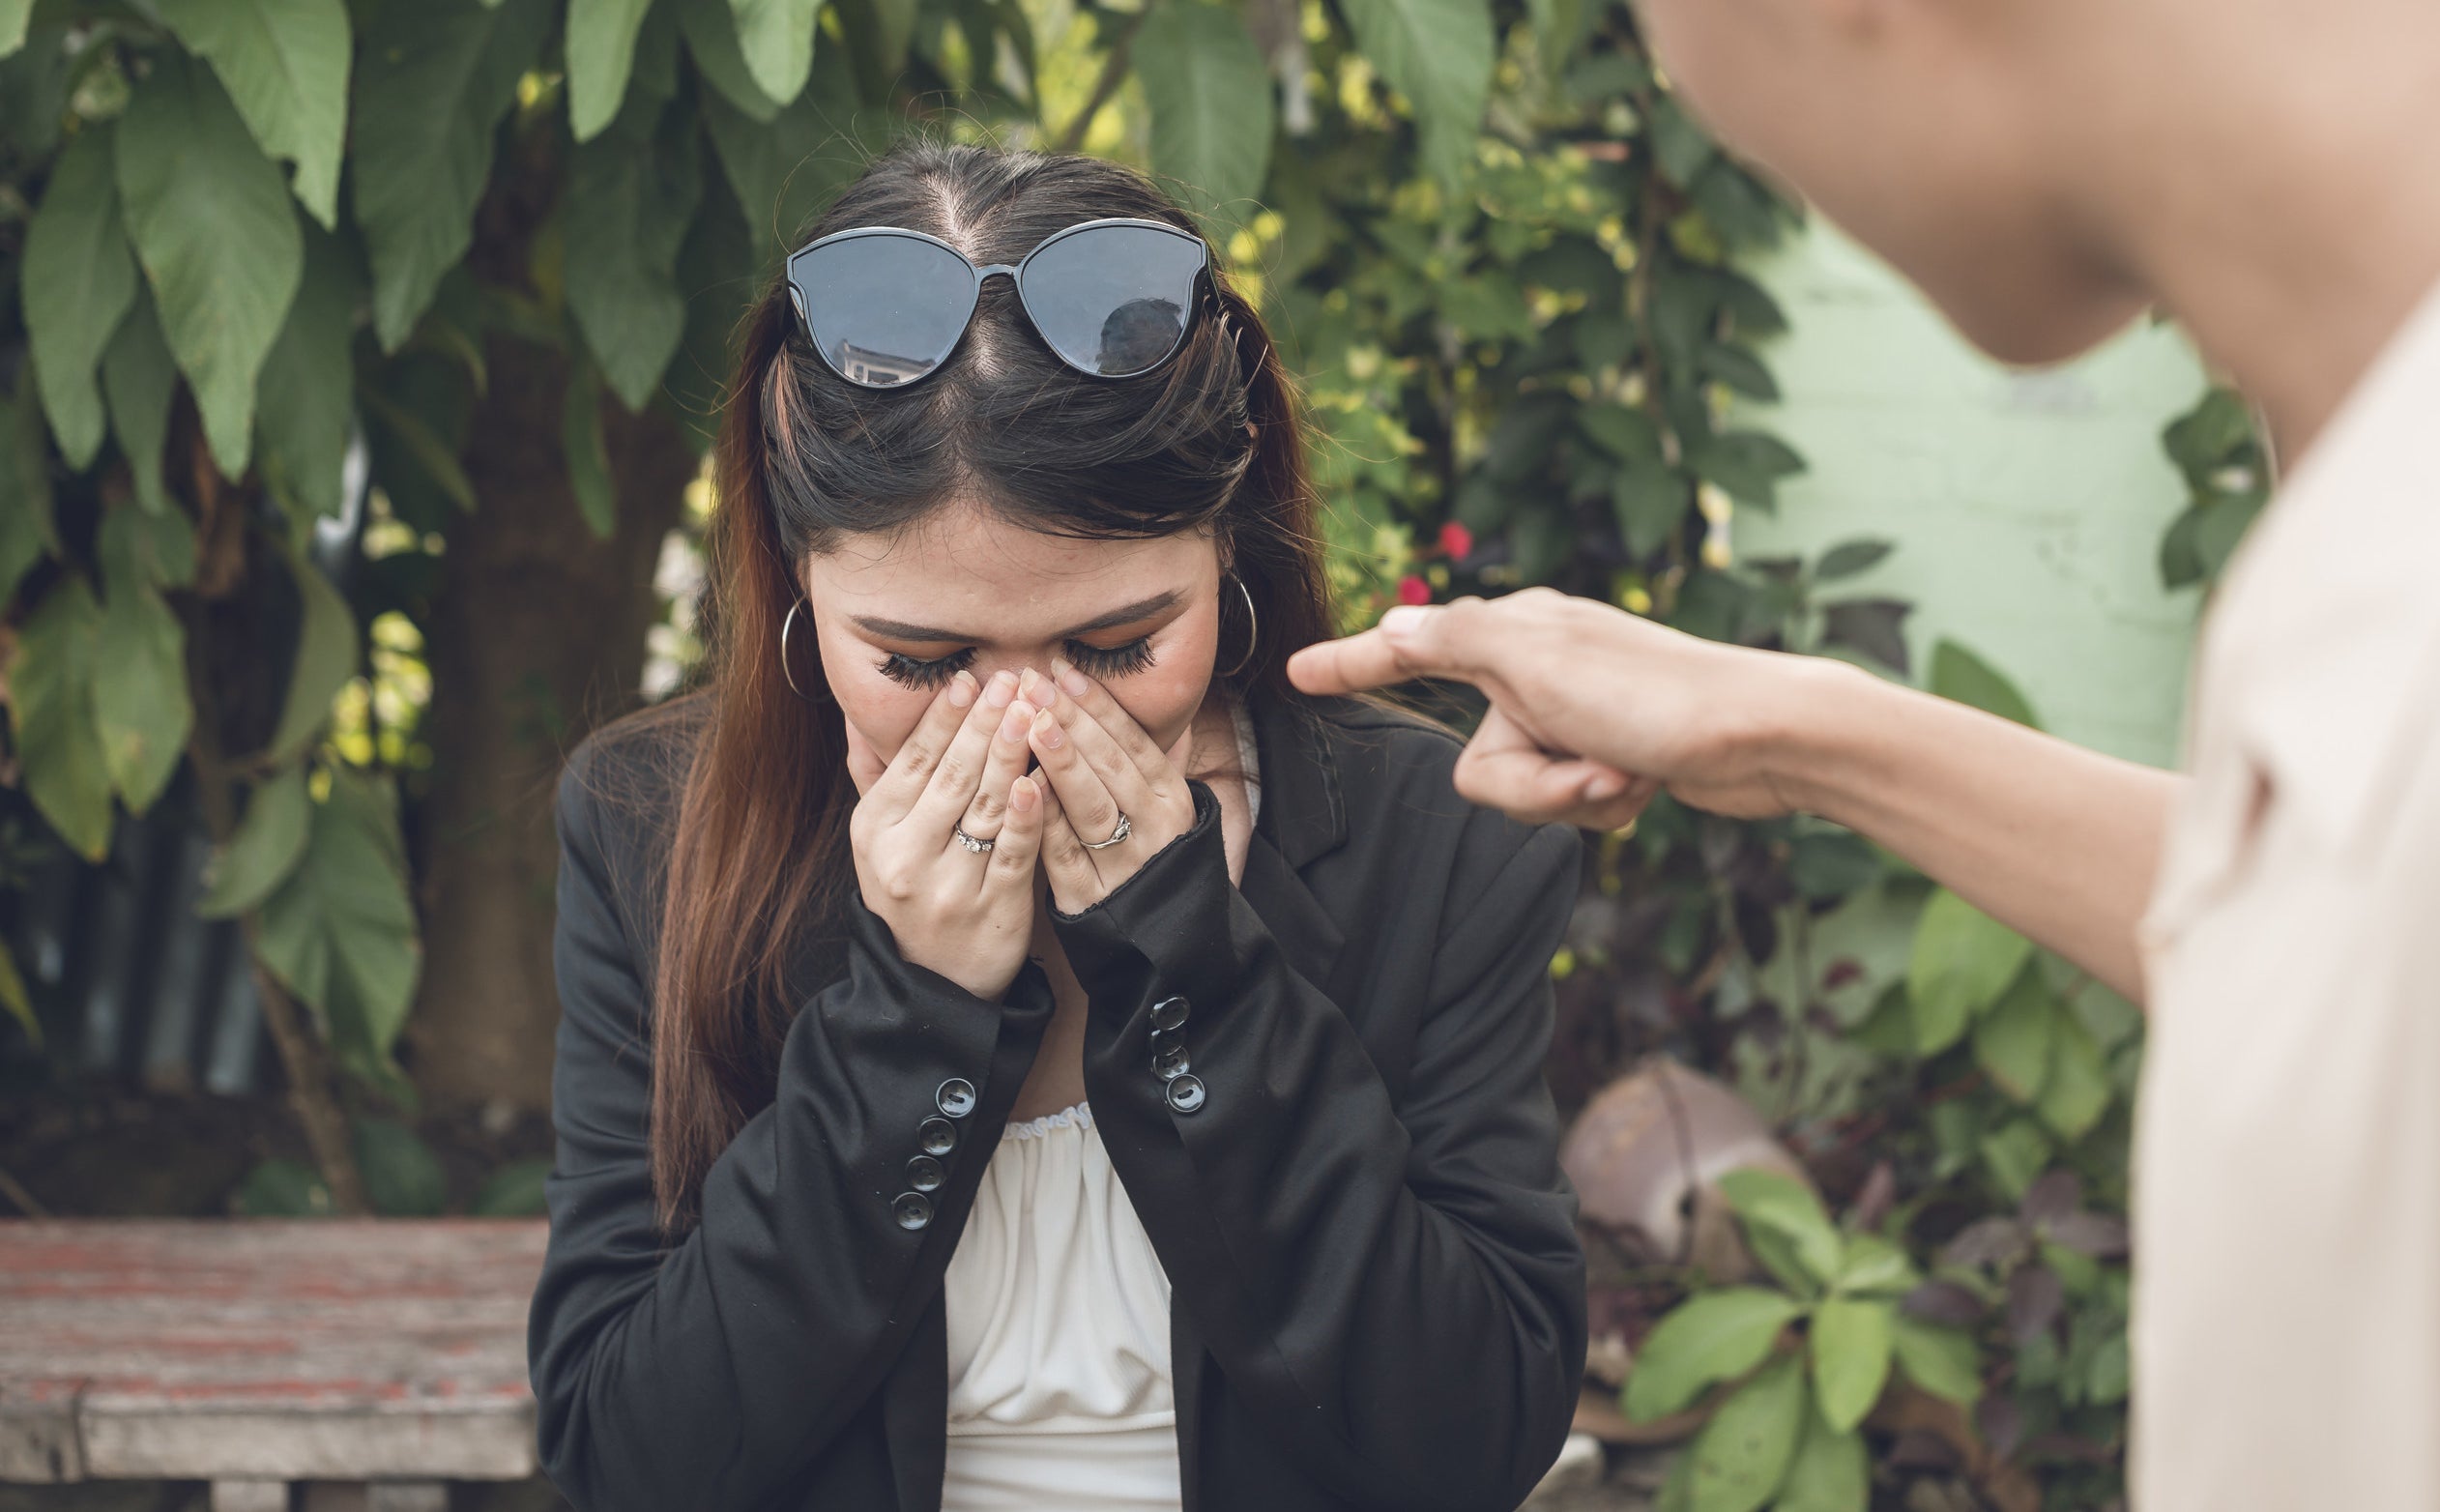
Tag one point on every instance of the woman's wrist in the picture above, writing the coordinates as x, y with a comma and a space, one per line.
1824, 746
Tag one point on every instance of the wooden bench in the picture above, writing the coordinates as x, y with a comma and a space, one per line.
257, 1353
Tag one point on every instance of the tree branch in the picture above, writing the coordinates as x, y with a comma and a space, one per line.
1114, 73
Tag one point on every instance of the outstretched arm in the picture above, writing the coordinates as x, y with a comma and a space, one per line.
2057, 842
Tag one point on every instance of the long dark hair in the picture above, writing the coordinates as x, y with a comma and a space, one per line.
1210, 441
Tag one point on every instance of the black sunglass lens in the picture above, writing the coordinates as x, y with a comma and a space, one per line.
884, 309
1114, 299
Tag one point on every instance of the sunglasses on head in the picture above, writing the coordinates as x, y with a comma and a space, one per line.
886, 307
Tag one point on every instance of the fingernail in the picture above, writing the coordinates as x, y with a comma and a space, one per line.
1605, 785
1018, 719
962, 691
1001, 688
1021, 796
1069, 679
1026, 682
1403, 620
1047, 728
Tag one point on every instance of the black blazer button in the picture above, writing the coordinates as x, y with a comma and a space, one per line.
937, 1135
1169, 1060
1185, 1093
924, 1174
1169, 1013
956, 1097
911, 1210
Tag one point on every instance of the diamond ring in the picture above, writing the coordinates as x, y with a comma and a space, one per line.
958, 833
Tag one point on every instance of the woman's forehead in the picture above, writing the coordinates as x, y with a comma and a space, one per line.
968, 570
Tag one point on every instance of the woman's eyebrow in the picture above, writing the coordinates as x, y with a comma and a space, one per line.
1124, 614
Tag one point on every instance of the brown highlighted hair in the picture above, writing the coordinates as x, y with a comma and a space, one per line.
758, 864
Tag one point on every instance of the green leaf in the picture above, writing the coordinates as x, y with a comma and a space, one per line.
282, 1189
27, 533
284, 63
1650, 499
78, 279
403, 1177
1874, 1266
140, 703
1748, 464
1438, 54
14, 997
1829, 866
1962, 961
1742, 1454
1629, 435
50, 708
2013, 1041
432, 81
1741, 370
1940, 1360
776, 36
420, 441
630, 194
340, 933
1850, 1358
2014, 1154
139, 377
262, 851
13, 16
515, 1191
1778, 1202
219, 240
1960, 674
1830, 1473
309, 386
709, 28
325, 658
1682, 147
1715, 1336
1211, 99
600, 55
2079, 1089
588, 454
2210, 435
1851, 557
782, 171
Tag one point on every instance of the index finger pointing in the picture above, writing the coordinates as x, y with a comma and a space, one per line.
1411, 641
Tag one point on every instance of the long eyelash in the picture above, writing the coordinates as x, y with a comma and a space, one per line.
1116, 662
910, 672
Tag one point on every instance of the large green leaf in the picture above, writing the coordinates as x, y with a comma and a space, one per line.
1874, 1266
1748, 464
309, 385
1963, 960
588, 455
2013, 1042
783, 170
27, 532
217, 238
265, 849
1958, 674
1438, 54
1941, 1360
1650, 497
139, 378
13, 16
710, 27
1741, 1456
1211, 99
776, 36
2079, 1089
600, 55
285, 65
1830, 1473
140, 703
1850, 1358
432, 81
78, 279
340, 932
630, 194
1779, 1204
325, 658
50, 703
1716, 1336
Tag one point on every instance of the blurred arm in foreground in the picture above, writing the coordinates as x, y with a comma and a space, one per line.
2057, 842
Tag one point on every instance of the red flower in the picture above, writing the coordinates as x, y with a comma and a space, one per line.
1413, 590
1457, 540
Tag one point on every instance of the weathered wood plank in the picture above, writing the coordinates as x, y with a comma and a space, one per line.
231, 1350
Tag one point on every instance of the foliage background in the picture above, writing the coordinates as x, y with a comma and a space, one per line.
354, 361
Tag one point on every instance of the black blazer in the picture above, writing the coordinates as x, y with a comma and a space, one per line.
1378, 1300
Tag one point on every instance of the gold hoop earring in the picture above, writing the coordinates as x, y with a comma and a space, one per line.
1253, 629
785, 670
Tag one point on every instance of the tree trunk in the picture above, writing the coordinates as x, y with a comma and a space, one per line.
536, 636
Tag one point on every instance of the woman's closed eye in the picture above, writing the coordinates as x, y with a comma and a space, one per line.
1098, 662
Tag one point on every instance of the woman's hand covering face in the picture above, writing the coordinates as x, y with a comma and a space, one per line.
1100, 764
965, 913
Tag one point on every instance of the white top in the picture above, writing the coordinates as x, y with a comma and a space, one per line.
2287, 1326
1058, 1335
1058, 1323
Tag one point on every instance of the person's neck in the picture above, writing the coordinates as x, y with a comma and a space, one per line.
2290, 217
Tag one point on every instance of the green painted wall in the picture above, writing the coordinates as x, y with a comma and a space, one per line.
2028, 507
